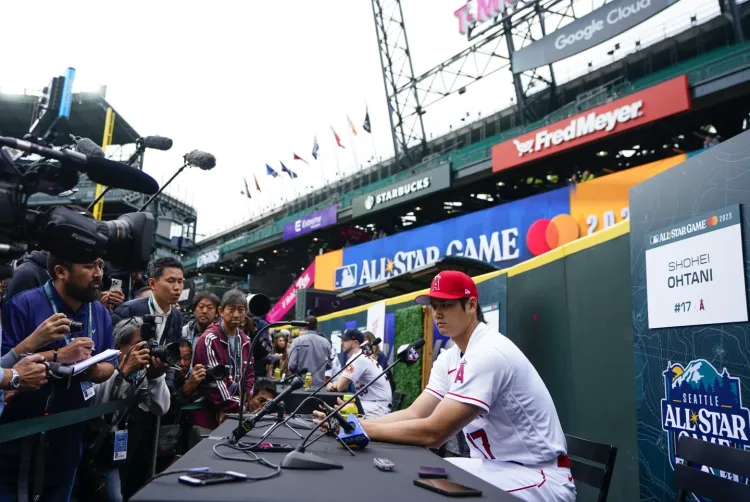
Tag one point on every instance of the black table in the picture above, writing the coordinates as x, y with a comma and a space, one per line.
359, 480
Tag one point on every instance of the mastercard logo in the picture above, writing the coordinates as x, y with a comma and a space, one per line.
713, 220
545, 235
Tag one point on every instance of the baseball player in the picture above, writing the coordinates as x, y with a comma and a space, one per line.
376, 400
485, 386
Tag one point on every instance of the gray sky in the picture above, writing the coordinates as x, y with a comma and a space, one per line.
253, 82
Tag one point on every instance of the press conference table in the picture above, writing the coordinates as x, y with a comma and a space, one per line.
359, 480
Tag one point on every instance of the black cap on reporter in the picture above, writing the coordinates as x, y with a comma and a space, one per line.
353, 334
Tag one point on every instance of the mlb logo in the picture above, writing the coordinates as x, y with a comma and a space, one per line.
655, 239
345, 277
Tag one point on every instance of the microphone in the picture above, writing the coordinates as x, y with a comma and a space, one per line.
346, 425
354, 436
288, 378
299, 459
99, 169
155, 143
247, 424
333, 378
204, 160
89, 149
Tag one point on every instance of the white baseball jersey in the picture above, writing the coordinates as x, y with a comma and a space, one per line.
519, 423
377, 398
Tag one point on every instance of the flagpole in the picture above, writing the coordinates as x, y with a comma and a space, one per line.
336, 149
354, 148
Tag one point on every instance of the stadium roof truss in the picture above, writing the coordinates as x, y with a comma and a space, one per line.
409, 96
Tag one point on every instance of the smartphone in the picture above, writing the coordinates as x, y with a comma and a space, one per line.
116, 285
211, 478
432, 472
447, 488
273, 448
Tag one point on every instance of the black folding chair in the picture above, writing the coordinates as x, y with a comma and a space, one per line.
589, 452
689, 479
397, 401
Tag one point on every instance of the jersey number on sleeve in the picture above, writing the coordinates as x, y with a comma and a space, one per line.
482, 436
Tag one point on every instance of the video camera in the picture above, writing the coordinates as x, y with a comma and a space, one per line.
68, 233
169, 353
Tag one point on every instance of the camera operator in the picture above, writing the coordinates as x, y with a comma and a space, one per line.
31, 272
205, 305
106, 440
72, 291
224, 343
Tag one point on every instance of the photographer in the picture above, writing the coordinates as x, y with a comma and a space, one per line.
139, 377
72, 291
31, 272
205, 304
225, 343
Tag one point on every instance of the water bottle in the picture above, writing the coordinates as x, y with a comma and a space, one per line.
308, 380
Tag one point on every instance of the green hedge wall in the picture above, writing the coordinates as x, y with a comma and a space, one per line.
408, 379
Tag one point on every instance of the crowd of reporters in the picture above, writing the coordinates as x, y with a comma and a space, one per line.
177, 378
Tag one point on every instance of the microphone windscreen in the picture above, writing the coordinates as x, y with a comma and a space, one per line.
118, 175
204, 160
377, 341
89, 148
419, 343
298, 324
157, 142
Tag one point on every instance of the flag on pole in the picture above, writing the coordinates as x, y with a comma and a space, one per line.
247, 190
297, 157
316, 147
270, 171
285, 169
338, 140
366, 126
257, 185
351, 124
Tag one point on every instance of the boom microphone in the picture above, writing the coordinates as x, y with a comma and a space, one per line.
89, 149
204, 160
155, 143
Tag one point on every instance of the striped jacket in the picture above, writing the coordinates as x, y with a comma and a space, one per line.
211, 350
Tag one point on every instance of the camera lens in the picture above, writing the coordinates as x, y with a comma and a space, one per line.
76, 326
129, 240
169, 353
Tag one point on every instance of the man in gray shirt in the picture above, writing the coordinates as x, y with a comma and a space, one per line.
310, 350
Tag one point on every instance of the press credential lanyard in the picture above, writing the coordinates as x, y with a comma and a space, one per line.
48, 292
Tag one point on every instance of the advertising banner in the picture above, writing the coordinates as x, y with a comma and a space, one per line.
496, 235
411, 188
586, 32
662, 100
600, 203
285, 304
312, 222
695, 272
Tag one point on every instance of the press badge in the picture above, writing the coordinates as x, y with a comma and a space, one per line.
121, 445
88, 390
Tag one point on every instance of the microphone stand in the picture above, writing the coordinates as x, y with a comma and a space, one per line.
161, 189
300, 459
238, 433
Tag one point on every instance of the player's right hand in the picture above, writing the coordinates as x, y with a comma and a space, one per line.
53, 328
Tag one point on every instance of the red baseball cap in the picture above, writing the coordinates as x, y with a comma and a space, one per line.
450, 285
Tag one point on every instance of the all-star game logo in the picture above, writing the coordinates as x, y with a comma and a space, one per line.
704, 404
